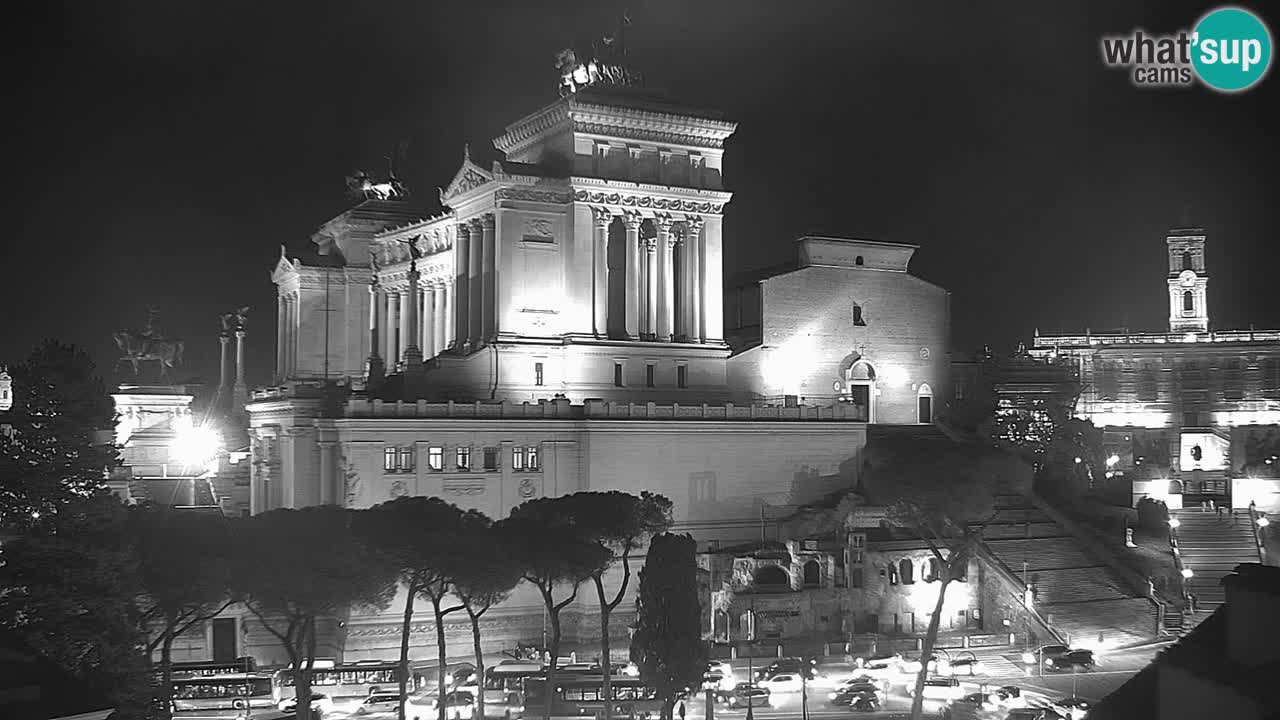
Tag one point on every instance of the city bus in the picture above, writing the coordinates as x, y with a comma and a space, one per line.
504, 687
342, 687
205, 668
225, 696
578, 696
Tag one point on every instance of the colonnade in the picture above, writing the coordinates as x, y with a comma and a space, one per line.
664, 276
390, 316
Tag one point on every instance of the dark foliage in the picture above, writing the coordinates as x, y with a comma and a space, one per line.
667, 645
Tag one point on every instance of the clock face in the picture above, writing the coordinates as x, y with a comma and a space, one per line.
1187, 278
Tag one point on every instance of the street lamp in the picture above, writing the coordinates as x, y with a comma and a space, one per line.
196, 446
1175, 523
1186, 573
1263, 521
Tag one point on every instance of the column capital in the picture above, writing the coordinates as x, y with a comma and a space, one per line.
651, 245
463, 228
601, 216
663, 222
632, 219
694, 223
476, 224
487, 221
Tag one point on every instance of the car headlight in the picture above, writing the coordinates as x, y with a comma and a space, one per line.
831, 696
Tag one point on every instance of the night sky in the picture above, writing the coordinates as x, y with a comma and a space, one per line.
166, 150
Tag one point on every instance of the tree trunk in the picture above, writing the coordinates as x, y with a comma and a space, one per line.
166, 673
930, 638
442, 655
606, 665
475, 641
404, 646
550, 686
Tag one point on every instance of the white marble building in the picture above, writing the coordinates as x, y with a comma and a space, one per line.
563, 329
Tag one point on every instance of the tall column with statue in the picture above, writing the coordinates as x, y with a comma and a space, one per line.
412, 361
240, 393
666, 278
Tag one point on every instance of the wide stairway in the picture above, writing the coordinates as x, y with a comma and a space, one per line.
1079, 594
1212, 547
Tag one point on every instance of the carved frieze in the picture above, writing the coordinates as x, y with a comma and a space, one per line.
664, 137
528, 195
538, 227
464, 486
649, 203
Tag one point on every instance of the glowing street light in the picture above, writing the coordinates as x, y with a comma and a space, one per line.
1175, 523
1113, 461
196, 446
1263, 521
1186, 573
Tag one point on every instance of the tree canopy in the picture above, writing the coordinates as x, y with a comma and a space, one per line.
667, 645
63, 420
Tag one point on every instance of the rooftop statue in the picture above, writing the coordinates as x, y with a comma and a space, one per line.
605, 67
234, 321
149, 344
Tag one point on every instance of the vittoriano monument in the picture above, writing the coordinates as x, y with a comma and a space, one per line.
149, 345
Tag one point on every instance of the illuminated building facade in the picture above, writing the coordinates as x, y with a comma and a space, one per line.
560, 328
1192, 413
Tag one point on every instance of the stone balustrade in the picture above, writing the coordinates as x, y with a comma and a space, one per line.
593, 409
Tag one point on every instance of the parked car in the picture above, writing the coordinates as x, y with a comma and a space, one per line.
783, 683
1027, 714
379, 706
966, 663
1047, 652
743, 695
1074, 660
881, 666
789, 665
1072, 708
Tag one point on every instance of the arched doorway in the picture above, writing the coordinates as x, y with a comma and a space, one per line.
771, 577
924, 404
812, 574
860, 384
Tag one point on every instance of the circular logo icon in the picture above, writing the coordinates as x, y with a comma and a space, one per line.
1231, 49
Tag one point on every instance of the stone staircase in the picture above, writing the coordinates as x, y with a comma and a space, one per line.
1212, 547
1079, 594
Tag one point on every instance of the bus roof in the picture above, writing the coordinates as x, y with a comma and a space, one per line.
198, 679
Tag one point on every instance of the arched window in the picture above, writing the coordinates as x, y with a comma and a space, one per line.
1186, 260
933, 573
924, 404
862, 371
812, 574
858, 321
906, 572
771, 577
1188, 302
857, 260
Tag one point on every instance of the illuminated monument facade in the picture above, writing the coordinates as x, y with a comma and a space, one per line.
1193, 413
560, 327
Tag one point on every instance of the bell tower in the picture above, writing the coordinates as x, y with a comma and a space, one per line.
1188, 303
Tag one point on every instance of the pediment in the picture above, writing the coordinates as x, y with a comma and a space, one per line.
469, 177
284, 269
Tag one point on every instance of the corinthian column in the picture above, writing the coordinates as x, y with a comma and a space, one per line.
282, 321
461, 288
488, 280
651, 289
475, 284
412, 360
426, 327
666, 278
601, 218
441, 315
634, 264
374, 368
693, 268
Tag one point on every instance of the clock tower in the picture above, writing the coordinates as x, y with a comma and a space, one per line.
1188, 303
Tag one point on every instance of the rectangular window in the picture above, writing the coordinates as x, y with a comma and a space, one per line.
435, 458
463, 456
491, 458
682, 376
648, 375
617, 374
389, 460
406, 459
531, 461
537, 374
517, 458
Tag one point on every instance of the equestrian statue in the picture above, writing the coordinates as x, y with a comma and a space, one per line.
149, 344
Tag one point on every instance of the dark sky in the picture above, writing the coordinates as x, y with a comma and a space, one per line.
166, 150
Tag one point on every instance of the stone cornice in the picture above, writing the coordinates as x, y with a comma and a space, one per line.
671, 127
528, 194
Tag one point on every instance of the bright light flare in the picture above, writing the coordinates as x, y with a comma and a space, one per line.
894, 376
196, 446
1175, 523
1186, 573
1263, 522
